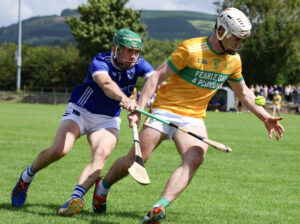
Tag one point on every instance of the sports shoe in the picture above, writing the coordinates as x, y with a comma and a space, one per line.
19, 193
156, 215
72, 206
99, 202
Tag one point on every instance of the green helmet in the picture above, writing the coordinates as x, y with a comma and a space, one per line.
127, 38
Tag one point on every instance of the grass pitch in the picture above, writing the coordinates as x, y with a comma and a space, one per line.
259, 182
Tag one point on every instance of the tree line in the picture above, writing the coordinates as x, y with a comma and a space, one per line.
270, 56
55, 66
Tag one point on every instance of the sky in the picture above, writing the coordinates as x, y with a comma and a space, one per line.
30, 8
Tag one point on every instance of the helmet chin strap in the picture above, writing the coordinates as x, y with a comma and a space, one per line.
227, 51
220, 42
118, 61
227, 35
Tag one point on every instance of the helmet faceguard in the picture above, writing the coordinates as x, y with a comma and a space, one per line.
126, 38
234, 22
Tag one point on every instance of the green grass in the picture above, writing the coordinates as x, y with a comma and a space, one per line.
259, 182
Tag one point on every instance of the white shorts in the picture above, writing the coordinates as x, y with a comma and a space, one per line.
176, 119
89, 122
276, 107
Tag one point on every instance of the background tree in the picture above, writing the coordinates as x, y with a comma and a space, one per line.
47, 66
156, 51
8, 68
42, 66
98, 21
271, 54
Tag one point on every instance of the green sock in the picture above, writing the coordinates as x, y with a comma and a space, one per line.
106, 184
163, 201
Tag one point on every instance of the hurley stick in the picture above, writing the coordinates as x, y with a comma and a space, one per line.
137, 169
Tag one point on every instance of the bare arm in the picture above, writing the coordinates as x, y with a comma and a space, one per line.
161, 73
113, 91
248, 99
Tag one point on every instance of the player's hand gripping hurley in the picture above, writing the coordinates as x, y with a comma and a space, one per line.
214, 144
138, 170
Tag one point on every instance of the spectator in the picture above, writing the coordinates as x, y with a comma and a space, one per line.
257, 90
287, 93
280, 89
294, 94
265, 91
276, 103
271, 92
298, 100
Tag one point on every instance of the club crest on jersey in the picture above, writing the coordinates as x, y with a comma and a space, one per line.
202, 61
130, 75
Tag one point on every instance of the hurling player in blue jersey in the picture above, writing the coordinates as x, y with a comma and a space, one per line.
93, 110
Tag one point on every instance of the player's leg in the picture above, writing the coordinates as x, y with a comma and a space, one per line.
67, 133
102, 143
65, 137
192, 152
149, 140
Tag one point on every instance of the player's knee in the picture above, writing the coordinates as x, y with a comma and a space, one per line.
57, 152
196, 162
195, 158
100, 154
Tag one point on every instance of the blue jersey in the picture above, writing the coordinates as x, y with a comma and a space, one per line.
90, 96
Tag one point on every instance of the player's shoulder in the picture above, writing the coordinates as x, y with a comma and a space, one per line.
141, 62
142, 66
103, 57
198, 43
236, 57
195, 40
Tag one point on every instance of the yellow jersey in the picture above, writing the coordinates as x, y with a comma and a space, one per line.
276, 100
199, 73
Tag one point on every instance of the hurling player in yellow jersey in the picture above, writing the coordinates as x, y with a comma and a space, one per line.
196, 69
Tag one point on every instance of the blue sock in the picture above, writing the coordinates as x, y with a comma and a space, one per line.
79, 191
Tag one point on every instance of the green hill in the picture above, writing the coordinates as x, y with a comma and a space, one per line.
52, 30
177, 24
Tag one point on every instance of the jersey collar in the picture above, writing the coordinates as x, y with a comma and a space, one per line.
210, 47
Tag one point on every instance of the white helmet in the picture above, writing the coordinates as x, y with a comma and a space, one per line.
234, 22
